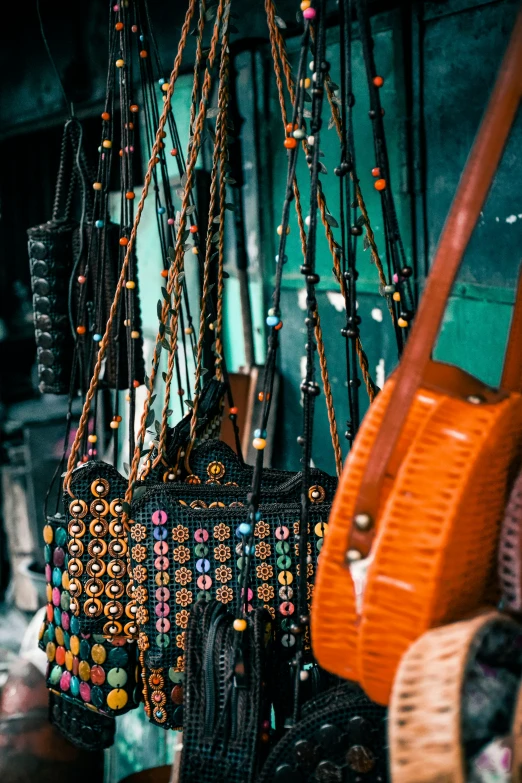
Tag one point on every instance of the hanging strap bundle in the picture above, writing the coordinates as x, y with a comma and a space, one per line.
414, 528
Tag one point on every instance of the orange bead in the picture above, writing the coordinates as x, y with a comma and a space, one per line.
261, 396
289, 127
379, 184
81, 329
378, 81
124, 241
144, 53
136, 384
376, 172
163, 134
117, 418
119, 25
193, 229
134, 28
164, 272
134, 108
233, 410
131, 126
129, 195
105, 115
174, 152
121, 153
278, 326
290, 143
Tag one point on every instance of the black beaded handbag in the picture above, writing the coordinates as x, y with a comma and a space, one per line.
82, 727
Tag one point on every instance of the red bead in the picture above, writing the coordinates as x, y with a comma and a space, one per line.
81, 279
164, 272
129, 195
181, 392
380, 184
278, 326
290, 143
174, 152
117, 418
124, 241
378, 81
130, 126
193, 229
376, 172
234, 410
144, 53
119, 25
105, 116
136, 384
134, 108
81, 329
134, 28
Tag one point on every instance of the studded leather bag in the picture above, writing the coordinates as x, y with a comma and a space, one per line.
414, 529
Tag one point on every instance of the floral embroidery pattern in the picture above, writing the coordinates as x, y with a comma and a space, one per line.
263, 550
296, 528
140, 595
181, 554
309, 569
180, 640
139, 573
180, 534
224, 594
270, 610
221, 532
182, 618
143, 642
142, 615
262, 529
184, 597
223, 574
183, 575
138, 532
265, 592
264, 571
222, 553
139, 553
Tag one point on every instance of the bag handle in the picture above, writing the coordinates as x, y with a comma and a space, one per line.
467, 204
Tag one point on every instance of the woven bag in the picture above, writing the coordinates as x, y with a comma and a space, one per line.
414, 528
455, 691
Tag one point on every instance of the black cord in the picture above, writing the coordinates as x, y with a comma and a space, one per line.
68, 103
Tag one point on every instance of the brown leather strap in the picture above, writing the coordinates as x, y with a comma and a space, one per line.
512, 372
467, 204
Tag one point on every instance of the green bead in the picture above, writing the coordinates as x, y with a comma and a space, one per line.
282, 547
319, 544
162, 640
117, 677
175, 676
201, 550
60, 536
284, 562
56, 673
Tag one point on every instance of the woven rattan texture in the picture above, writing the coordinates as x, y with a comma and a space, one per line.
82, 727
437, 533
223, 722
426, 713
341, 737
185, 545
51, 261
83, 668
510, 549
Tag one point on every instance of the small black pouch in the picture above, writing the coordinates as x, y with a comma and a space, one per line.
226, 704
82, 727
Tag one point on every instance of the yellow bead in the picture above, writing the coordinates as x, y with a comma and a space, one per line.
396, 296
402, 323
117, 699
69, 660
127, 397
259, 444
120, 63
240, 624
84, 670
165, 87
48, 534
107, 144
195, 250
49, 593
130, 284
97, 185
321, 529
92, 438
307, 83
98, 653
51, 651
305, 4
59, 635
285, 577
114, 425
75, 645
65, 580
135, 335
126, 322
280, 230
189, 330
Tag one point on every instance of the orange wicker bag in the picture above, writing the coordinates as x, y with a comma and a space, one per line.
425, 721
413, 532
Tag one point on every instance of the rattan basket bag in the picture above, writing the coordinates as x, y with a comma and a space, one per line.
414, 527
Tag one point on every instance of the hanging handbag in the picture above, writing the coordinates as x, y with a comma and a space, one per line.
341, 736
414, 527
455, 693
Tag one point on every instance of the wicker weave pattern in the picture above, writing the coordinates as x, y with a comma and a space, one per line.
509, 554
425, 707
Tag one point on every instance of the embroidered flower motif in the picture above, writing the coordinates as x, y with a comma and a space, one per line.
182, 618
180, 534
138, 532
139, 553
140, 594
222, 553
180, 640
180, 664
221, 532
184, 597
308, 549
139, 573
143, 642
265, 592
264, 571
142, 615
263, 550
224, 594
309, 569
183, 575
310, 591
270, 610
262, 529
223, 574
296, 528
181, 554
